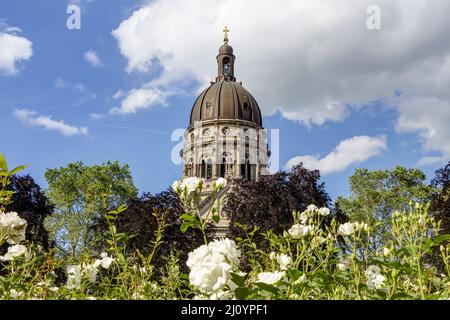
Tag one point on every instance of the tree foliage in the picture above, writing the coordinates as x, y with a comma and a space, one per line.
140, 222
375, 195
440, 200
268, 202
80, 193
29, 201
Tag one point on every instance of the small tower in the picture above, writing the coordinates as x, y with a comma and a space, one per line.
225, 137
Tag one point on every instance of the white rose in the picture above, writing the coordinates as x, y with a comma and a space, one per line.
297, 231
191, 184
73, 277
220, 183
372, 269
90, 272
15, 251
311, 207
106, 261
284, 260
209, 276
346, 229
227, 248
273, 256
198, 256
324, 212
13, 227
270, 277
304, 217
211, 265
375, 279
176, 186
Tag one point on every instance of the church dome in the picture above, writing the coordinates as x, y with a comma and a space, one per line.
225, 49
226, 100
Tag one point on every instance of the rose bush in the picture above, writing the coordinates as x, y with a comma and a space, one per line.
309, 260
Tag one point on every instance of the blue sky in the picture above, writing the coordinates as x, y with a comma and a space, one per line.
57, 81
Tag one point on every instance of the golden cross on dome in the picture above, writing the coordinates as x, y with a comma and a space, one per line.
225, 31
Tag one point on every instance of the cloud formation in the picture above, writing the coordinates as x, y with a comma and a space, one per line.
33, 119
429, 117
13, 50
349, 152
92, 57
61, 83
137, 99
314, 61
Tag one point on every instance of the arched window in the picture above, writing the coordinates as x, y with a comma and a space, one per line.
222, 168
209, 170
248, 170
203, 169
226, 67
243, 170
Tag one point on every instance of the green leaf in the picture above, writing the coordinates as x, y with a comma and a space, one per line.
294, 274
237, 279
187, 217
18, 169
185, 226
267, 287
3, 165
441, 238
242, 293
216, 218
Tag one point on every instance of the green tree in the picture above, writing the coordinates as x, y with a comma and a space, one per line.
375, 195
81, 193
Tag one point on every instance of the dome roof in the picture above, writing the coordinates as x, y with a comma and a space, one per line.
226, 100
226, 49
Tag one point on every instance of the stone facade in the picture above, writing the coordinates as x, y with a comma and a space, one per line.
225, 137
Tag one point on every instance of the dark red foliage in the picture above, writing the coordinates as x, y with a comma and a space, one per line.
32, 205
139, 222
440, 200
268, 203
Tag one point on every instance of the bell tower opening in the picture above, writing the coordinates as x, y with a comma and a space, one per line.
225, 60
226, 68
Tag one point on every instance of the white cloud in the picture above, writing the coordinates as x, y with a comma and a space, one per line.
119, 94
97, 116
427, 161
13, 30
430, 118
92, 57
312, 60
137, 99
349, 152
31, 118
13, 50
61, 83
